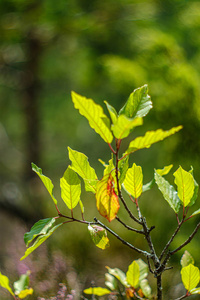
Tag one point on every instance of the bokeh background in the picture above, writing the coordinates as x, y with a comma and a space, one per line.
102, 50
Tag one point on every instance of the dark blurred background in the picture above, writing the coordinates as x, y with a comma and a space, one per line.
102, 50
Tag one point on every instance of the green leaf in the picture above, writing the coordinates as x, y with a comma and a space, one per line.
138, 104
110, 282
46, 181
95, 115
195, 291
186, 259
106, 199
4, 283
81, 166
99, 236
22, 283
112, 112
185, 184
98, 291
165, 170
119, 275
133, 274
81, 206
133, 181
123, 168
196, 189
39, 228
123, 127
146, 289
143, 269
148, 186
70, 188
196, 212
41, 239
168, 191
190, 277
150, 137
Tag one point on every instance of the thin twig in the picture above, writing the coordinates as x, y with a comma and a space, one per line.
183, 297
145, 253
128, 227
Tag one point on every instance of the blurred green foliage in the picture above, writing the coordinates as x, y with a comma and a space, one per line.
103, 50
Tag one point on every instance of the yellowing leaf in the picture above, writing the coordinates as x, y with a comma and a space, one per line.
23, 294
46, 181
150, 138
185, 184
99, 236
106, 199
94, 114
133, 274
190, 277
70, 188
123, 126
4, 283
99, 291
81, 166
134, 180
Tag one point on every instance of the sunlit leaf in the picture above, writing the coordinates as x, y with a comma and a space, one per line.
146, 187
196, 189
195, 291
4, 283
150, 138
138, 104
106, 199
81, 166
146, 289
165, 170
39, 228
46, 181
70, 188
22, 283
112, 112
197, 212
41, 239
99, 236
110, 282
98, 291
94, 114
122, 128
23, 294
186, 259
190, 277
118, 274
133, 274
143, 267
185, 184
168, 191
133, 181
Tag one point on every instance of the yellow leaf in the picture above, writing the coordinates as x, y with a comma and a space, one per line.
134, 181
133, 274
185, 184
23, 294
190, 277
106, 199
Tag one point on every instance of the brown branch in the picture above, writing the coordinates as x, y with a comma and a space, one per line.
128, 227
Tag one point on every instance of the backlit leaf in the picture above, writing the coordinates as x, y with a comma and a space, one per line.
4, 283
150, 138
186, 259
146, 289
195, 291
143, 267
119, 274
39, 228
23, 294
168, 191
22, 283
165, 170
98, 291
196, 189
197, 212
122, 128
99, 236
94, 114
112, 112
133, 274
110, 282
81, 166
138, 104
70, 188
133, 181
190, 277
41, 239
46, 181
106, 199
185, 184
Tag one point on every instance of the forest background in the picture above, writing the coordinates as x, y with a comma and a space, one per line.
102, 50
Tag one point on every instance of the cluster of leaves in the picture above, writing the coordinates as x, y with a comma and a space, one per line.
21, 287
108, 190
